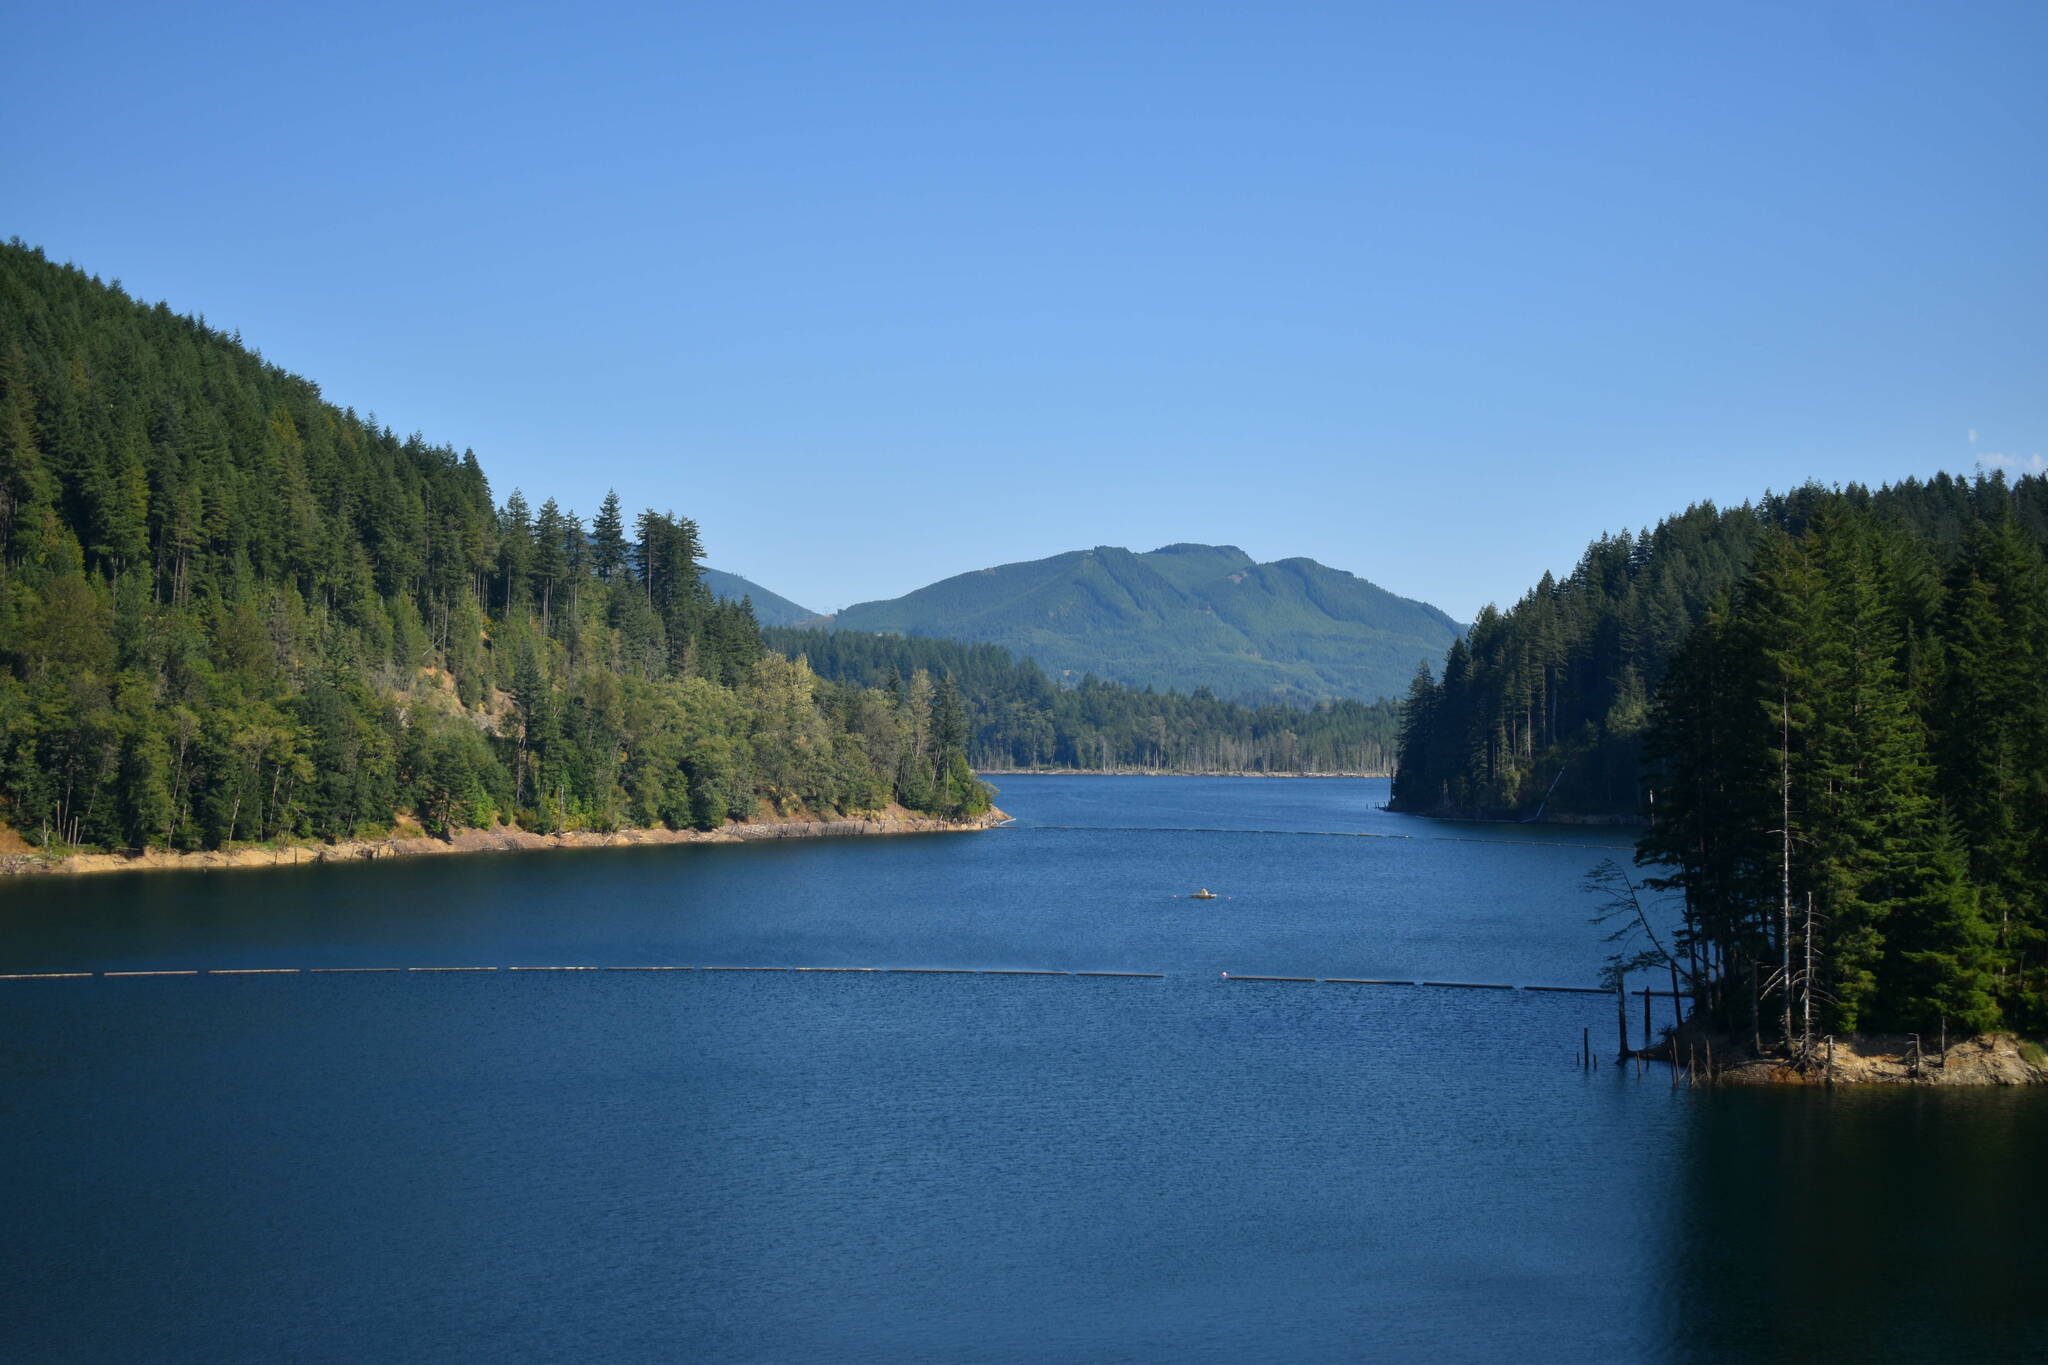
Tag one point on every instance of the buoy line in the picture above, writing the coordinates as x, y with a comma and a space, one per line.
886, 971
1312, 834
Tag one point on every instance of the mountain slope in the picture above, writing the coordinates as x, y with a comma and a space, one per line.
770, 609
1183, 616
232, 612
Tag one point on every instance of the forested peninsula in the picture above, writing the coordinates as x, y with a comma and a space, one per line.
1830, 711
233, 614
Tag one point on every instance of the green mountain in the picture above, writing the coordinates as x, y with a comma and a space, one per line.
1182, 617
770, 609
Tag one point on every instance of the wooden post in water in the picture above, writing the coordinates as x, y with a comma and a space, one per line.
1621, 1014
1586, 1049
1646, 1018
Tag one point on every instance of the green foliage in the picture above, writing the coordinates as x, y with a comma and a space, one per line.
1542, 707
1545, 707
1186, 617
770, 609
1014, 716
231, 612
1854, 720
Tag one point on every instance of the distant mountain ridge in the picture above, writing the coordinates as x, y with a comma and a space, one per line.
1183, 616
770, 609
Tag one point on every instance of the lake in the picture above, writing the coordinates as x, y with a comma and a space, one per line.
897, 1166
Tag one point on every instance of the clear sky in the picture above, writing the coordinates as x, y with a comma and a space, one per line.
883, 292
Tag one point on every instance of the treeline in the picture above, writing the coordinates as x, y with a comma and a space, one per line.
230, 611
1018, 717
1849, 763
1543, 707
1831, 710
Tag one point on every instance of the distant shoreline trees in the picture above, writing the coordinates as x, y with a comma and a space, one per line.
1018, 717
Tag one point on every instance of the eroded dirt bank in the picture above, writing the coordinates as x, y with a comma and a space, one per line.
501, 839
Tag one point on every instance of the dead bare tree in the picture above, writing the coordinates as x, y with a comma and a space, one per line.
1637, 945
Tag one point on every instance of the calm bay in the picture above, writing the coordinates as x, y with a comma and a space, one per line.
896, 1165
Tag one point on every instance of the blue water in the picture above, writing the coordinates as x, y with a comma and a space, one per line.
878, 1167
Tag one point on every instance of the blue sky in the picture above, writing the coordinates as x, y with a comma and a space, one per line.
884, 292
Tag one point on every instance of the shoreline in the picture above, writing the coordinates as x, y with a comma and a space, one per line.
500, 839
1989, 1059
1562, 818
1154, 772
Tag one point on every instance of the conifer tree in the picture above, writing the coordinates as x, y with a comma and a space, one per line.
550, 563
515, 553
608, 540
24, 488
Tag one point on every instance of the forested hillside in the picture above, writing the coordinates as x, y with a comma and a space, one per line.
1020, 718
1182, 617
1832, 707
1849, 759
230, 611
770, 608
1543, 706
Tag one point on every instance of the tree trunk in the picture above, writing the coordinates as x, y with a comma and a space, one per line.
1785, 864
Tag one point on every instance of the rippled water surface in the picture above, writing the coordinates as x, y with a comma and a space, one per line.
715, 1166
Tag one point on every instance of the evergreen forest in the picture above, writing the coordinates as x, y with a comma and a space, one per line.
1829, 709
1018, 717
231, 612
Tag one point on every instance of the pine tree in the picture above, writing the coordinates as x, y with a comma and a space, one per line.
1416, 775
1992, 746
550, 556
608, 539
515, 553
118, 489
24, 485
1938, 945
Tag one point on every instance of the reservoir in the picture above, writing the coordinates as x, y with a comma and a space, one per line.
968, 1165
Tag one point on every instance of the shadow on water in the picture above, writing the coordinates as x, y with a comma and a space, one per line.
1868, 1225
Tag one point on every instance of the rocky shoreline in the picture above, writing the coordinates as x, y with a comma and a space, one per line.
501, 839
1988, 1059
